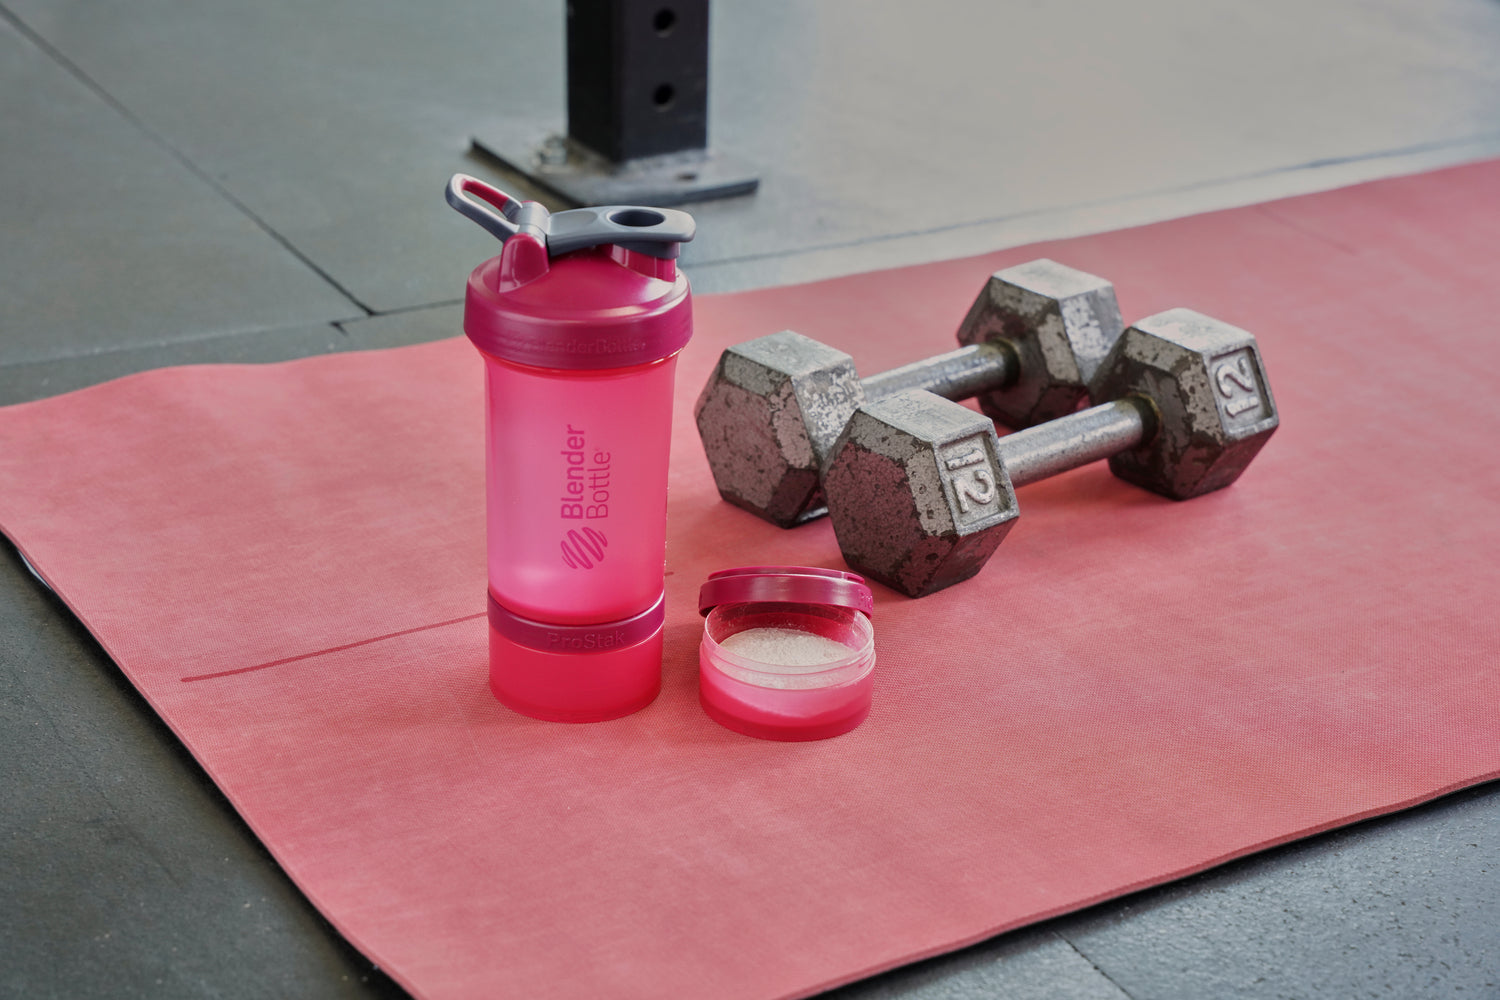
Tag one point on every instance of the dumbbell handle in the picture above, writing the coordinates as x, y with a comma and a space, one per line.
958, 374
1077, 439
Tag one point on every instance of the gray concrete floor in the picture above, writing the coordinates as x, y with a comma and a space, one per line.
225, 181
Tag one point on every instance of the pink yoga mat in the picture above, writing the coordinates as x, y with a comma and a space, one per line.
288, 562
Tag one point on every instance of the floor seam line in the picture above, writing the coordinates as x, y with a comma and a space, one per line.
78, 73
1093, 965
1412, 150
207, 338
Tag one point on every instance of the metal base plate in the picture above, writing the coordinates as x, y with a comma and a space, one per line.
552, 160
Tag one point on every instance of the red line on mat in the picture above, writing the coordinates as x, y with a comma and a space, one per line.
331, 649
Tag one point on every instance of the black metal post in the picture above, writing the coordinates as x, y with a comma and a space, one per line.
637, 111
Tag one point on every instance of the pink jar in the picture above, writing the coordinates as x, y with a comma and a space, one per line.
788, 652
579, 321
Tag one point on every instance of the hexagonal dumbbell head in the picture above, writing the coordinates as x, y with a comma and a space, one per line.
916, 492
772, 408
1213, 404
1060, 322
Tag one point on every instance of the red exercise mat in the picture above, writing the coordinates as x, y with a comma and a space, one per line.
287, 560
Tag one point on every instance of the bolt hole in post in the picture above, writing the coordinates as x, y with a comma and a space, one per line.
664, 21
663, 96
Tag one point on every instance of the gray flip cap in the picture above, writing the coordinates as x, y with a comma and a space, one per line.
656, 232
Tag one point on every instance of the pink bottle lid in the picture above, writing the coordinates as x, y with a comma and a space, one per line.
793, 584
586, 289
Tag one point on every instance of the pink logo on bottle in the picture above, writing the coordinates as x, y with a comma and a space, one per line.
583, 548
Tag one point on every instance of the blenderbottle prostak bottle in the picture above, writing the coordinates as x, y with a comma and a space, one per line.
579, 320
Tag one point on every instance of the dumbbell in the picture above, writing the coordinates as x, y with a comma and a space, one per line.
921, 490
774, 406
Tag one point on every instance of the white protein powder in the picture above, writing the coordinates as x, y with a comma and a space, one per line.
785, 647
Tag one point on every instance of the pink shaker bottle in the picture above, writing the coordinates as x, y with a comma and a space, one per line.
579, 321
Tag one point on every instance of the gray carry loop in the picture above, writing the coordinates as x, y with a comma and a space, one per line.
656, 232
